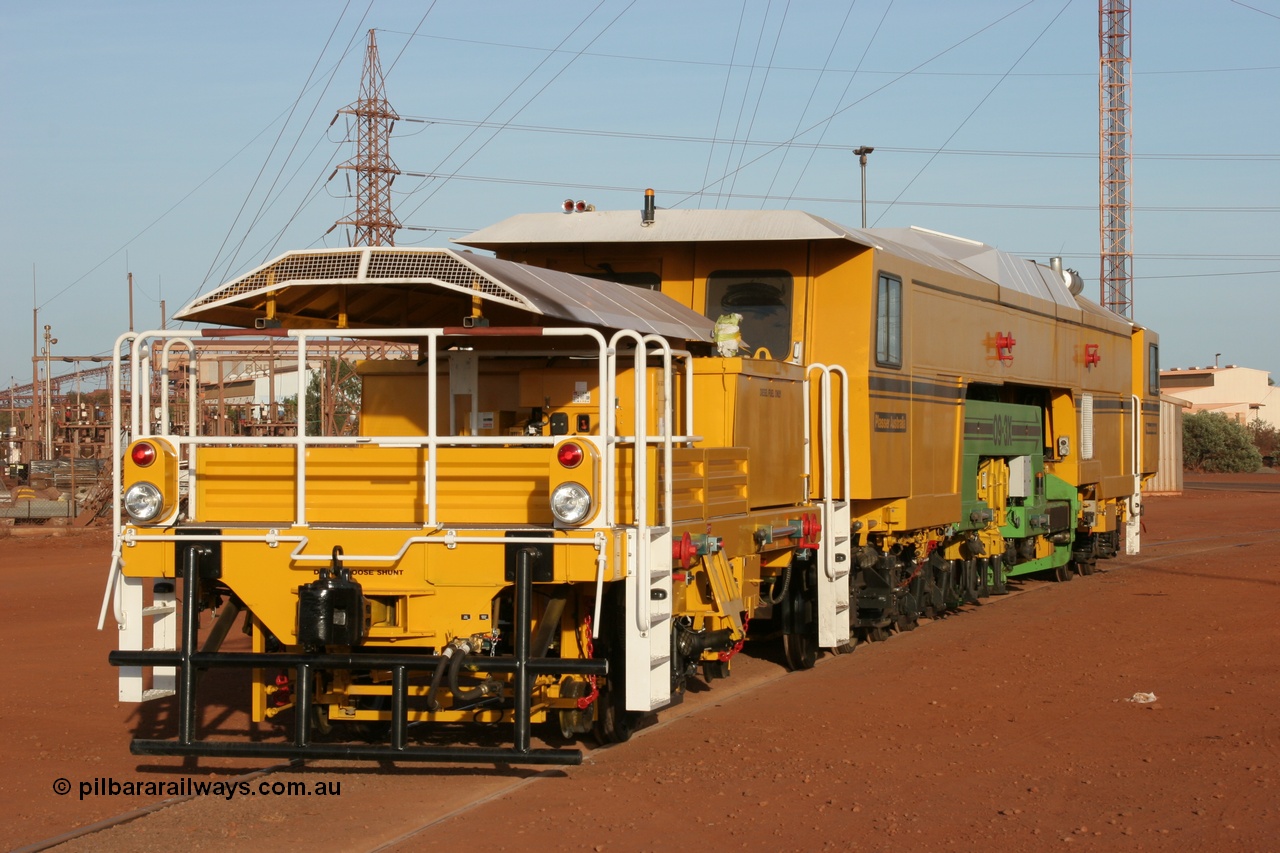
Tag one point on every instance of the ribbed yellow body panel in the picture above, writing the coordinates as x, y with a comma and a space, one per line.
371, 484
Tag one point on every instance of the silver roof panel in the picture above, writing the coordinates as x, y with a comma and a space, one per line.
392, 287
1006, 270
690, 226
669, 226
929, 248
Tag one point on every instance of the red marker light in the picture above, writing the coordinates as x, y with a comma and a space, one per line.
581, 207
568, 205
143, 454
569, 455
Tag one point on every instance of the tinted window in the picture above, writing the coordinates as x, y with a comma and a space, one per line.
1153, 369
889, 322
763, 298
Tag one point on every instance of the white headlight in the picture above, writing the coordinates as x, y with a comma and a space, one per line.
570, 503
143, 501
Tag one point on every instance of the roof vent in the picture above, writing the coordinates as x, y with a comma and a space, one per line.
1070, 277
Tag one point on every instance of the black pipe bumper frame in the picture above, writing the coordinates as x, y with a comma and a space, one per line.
191, 662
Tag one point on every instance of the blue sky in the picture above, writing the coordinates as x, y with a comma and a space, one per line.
190, 142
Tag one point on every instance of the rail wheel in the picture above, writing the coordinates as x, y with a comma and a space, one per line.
800, 615
801, 651
1063, 573
1084, 567
614, 723
847, 647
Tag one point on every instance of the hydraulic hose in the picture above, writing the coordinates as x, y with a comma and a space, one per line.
433, 702
779, 590
466, 694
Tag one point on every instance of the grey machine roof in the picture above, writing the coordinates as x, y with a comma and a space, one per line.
931, 248
391, 287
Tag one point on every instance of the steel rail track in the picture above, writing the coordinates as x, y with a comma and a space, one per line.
670, 717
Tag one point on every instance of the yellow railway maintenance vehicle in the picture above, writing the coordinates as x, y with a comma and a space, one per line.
585, 469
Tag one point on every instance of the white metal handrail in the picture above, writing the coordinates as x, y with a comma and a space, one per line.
826, 449
273, 538
140, 420
824, 390
141, 424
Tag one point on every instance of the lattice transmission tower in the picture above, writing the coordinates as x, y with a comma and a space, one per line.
374, 223
1115, 155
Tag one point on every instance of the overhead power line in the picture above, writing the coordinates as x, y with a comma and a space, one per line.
576, 185
628, 57
762, 143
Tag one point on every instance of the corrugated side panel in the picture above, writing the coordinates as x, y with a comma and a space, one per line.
245, 484
1168, 478
494, 485
688, 483
726, 481
366, 484
708, 482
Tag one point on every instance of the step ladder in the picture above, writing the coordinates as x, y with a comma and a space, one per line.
834, 561
835, 549
648, 618
162, 613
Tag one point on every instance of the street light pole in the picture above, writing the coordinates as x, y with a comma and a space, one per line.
862, 151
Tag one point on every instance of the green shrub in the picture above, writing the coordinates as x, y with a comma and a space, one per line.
1265, 437
1213, 442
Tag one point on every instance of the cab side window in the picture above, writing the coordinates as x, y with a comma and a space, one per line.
763, 298
889, 321
1153, 370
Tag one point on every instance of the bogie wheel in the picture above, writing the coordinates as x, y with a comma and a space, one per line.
800, 617
1063, 573
847, 647
801, 650
874, 635
614, 723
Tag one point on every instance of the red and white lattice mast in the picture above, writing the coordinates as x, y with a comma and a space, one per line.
1115, 155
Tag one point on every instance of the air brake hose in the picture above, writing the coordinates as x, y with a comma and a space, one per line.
433, 703
465, 694
779, 590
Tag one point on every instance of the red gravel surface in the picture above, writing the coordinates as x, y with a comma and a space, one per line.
1005, 726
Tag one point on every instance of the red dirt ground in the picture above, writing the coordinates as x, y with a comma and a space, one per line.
1004, 726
